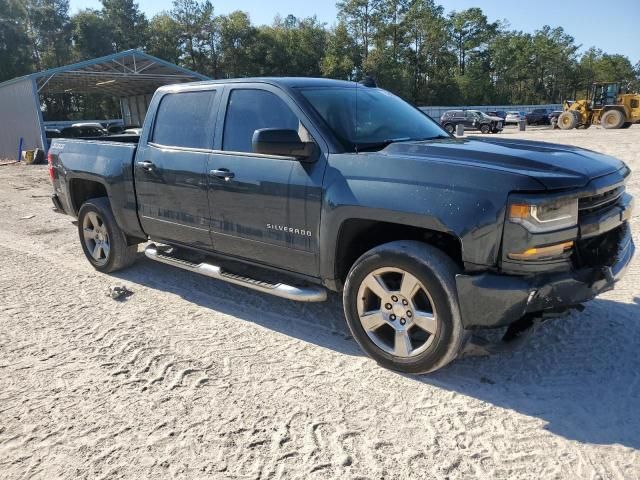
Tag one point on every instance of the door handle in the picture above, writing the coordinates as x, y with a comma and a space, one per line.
223, 173
146, 165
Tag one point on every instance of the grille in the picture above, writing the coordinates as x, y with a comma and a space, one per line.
600, 202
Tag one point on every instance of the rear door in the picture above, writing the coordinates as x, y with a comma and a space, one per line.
470, 120
268, 207
170, 168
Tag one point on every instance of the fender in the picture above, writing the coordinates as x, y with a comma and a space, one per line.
467, 202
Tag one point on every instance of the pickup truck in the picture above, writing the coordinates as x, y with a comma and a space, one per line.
297, 186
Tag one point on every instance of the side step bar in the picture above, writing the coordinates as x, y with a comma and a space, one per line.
300, 294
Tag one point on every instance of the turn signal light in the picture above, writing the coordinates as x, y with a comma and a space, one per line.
518, 211
541, 253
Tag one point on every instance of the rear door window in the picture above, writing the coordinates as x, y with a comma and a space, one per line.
250, 110
185, 120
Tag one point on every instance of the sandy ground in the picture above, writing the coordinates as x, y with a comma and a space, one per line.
193, 378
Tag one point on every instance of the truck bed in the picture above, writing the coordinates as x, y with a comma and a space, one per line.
108, 162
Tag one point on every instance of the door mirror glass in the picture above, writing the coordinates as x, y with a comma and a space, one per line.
283, 142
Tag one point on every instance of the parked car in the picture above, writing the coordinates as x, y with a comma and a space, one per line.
512, 117
83, 131
553, 117
539, 116
51, 132
89, 124
115, 129
471, 119
497, 113
427, 237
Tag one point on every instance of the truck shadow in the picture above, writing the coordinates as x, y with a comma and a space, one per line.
580, 375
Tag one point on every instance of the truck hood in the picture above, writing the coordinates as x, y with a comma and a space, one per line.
555, 166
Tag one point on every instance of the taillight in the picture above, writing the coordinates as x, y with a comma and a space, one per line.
50, 162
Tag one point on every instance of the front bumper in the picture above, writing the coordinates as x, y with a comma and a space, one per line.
491, 300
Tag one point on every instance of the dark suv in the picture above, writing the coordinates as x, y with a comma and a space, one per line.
539, 116
472, 120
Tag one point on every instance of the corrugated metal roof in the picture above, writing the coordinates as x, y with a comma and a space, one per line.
131, 72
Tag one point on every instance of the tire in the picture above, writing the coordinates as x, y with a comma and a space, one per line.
97, 229
612, 119
485, 129
626, 125
433, 341
567, 121
449, 127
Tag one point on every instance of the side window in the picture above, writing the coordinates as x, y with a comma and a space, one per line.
250, 110
184, 120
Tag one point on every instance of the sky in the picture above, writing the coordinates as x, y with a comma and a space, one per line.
612, 25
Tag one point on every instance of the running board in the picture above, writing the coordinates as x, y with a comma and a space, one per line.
300, 294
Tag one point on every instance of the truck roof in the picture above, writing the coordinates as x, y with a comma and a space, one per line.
290, 82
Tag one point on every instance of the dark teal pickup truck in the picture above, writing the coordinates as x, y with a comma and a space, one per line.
293, 187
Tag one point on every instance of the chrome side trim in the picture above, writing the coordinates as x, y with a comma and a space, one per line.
300, 294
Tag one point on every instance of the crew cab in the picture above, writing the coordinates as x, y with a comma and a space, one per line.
293, 187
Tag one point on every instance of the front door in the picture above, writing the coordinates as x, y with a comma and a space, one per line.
170, 169
264, 208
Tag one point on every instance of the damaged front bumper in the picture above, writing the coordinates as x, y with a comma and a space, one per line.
491, 300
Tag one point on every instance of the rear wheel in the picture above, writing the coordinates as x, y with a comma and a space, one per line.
449, 127
104, 244
612, 119
567, 121
401, 306
485, 129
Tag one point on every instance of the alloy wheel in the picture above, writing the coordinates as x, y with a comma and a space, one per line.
397, 312
96, 237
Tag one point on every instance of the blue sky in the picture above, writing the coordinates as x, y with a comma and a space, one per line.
610, 25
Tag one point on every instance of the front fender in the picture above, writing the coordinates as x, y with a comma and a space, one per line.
465, 202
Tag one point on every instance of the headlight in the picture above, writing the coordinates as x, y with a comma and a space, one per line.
546, 215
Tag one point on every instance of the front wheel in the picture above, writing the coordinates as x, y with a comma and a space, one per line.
401, 306
449, 128
104, 244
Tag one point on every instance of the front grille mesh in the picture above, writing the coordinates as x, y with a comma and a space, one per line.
599, 202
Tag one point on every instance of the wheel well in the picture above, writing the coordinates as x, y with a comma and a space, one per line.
358, 236
82, 190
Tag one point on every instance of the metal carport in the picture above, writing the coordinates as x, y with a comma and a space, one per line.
132, 76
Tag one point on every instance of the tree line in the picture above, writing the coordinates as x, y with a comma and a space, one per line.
411, 47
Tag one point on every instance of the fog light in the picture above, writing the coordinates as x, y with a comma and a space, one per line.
543, 253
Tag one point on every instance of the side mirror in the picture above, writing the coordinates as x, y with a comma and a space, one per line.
287, 143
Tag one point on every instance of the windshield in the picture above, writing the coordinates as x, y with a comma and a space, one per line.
370, 119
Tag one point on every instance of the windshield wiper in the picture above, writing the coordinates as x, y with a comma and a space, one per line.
437, 137
363, 147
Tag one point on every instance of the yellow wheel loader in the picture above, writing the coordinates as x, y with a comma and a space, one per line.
606, 104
